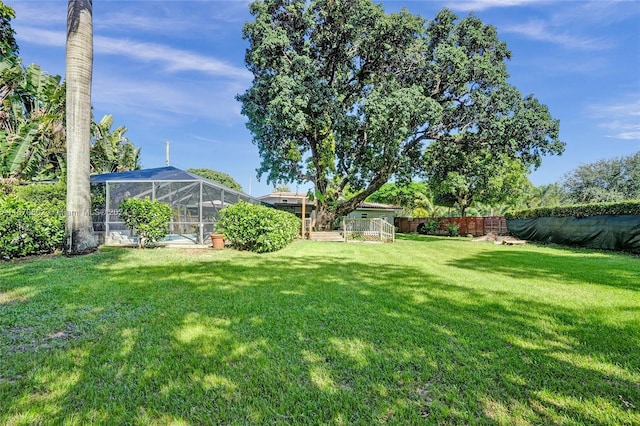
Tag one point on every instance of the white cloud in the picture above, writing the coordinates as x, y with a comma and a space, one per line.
48, 13
40, 36
478, 5
167, 102
621, 119
171, 59
596, 13
541, 31
131, 21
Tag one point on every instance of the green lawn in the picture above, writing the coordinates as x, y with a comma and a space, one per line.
426, 330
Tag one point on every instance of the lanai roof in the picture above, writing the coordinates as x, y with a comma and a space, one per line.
168, 173
160, 173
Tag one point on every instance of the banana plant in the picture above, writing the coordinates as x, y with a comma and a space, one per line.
31, 122
111, 151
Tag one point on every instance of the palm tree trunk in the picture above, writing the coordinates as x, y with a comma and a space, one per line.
79, 232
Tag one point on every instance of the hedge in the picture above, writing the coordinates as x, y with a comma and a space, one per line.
629, 207
32, 219
257, 228
28, 228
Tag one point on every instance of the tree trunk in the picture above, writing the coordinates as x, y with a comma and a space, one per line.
79, 68
324, 217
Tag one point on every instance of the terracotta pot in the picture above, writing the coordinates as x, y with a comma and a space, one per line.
218, 241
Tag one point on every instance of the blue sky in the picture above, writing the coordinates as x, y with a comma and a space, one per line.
170, 70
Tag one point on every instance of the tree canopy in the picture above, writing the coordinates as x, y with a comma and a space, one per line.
346, 96
8, 44
219, 177
282, 188
464, 178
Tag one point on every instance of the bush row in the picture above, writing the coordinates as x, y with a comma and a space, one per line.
257, 228
32, 221
629, 207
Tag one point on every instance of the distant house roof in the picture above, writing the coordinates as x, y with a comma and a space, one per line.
378, 206
284, 198
285, 194
296, 198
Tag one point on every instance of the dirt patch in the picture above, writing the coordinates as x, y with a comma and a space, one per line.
500, 239
8, 299
32, 257
30, 339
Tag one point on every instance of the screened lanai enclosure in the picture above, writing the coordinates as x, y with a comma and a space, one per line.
195, 203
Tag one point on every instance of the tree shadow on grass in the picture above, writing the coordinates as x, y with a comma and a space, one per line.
561, 265
417, 237
321, 340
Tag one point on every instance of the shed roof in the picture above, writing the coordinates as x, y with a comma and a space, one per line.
377, 206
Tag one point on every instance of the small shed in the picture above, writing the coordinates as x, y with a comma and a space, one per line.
367, 210
195, 202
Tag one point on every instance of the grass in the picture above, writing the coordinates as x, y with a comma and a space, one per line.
424, 331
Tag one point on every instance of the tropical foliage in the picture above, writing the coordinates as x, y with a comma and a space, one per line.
111, 151
548, 195
32, 136
32, 121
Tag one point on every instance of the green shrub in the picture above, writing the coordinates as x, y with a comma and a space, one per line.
452, 229
28, 228
147, 219
430, 227
630, 207
257, 228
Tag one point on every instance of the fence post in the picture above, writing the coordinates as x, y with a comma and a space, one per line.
344, 229
304, 219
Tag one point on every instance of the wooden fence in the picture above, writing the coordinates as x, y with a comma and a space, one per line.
475, 226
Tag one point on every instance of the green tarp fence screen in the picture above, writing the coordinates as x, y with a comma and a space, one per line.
602, 232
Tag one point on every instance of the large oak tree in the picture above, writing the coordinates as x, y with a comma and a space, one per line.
347, 97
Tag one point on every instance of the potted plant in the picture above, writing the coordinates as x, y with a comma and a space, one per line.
217, 240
